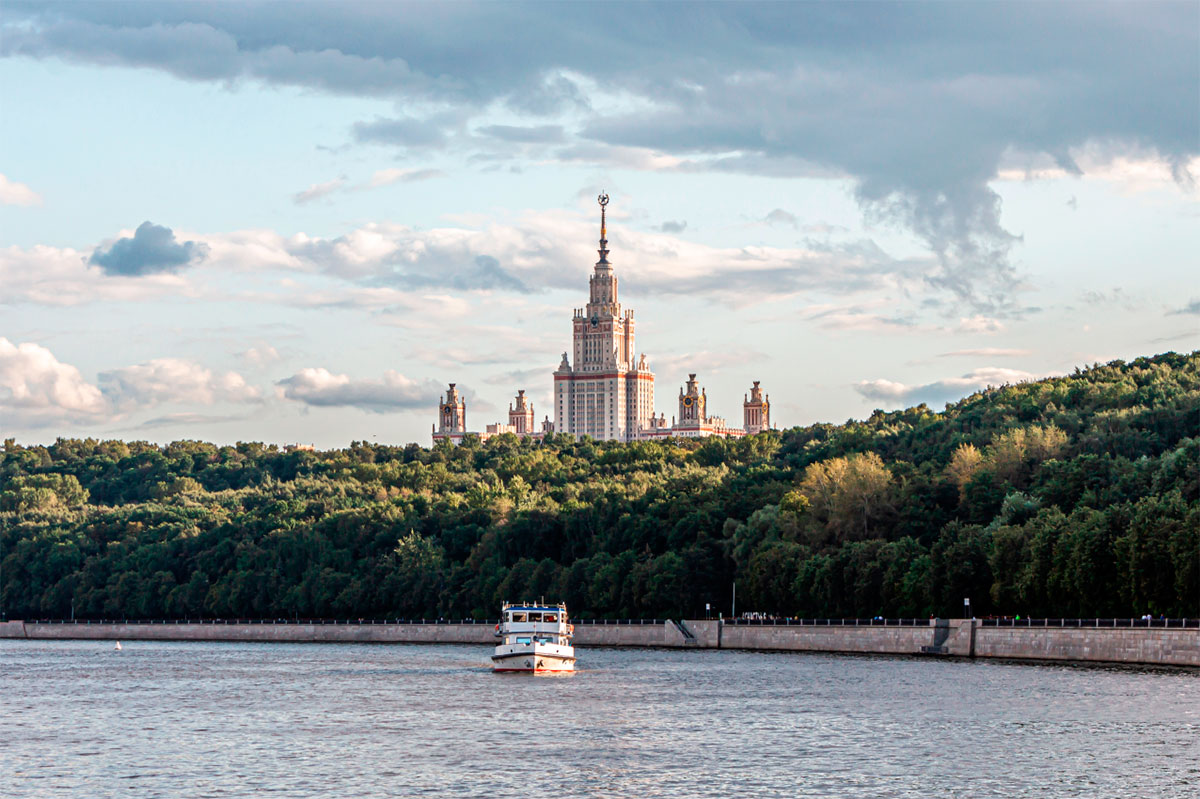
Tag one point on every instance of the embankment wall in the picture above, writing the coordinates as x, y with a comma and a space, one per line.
953, 637
1149, 646
955, 640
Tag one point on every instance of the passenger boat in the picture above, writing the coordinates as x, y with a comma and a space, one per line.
535, 638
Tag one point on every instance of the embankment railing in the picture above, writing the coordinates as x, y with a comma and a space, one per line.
1143, 622
364, 621
764, 622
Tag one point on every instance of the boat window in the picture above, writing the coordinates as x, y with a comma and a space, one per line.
552, 618
518, 617
523, 639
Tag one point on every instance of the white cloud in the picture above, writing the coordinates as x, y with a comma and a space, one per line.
394, 392
987, 352
860, 318
260, 356
36, 389
939, 392
386, 177
14, 193
174, 380
979, 324
1130, 172
62, 277
318, 190
703, 363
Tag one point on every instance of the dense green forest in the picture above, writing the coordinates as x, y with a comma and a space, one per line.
1074, 496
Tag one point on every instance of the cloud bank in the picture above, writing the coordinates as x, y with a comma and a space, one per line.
37, 390
937, 100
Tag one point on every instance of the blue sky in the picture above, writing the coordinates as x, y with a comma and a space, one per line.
297, 222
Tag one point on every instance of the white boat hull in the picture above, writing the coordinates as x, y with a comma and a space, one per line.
533, 661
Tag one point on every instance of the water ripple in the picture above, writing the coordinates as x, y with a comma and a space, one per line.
303, 720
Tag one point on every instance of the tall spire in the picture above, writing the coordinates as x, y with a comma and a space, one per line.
603, 200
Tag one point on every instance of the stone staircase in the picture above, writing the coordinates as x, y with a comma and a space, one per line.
941, 632
689, 639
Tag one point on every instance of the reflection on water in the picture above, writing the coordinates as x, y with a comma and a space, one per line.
314, 720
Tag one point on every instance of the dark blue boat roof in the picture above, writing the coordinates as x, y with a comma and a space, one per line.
531, 607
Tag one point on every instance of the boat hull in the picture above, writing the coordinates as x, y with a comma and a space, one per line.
532, 662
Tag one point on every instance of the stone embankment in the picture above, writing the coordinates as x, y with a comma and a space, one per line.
945, 637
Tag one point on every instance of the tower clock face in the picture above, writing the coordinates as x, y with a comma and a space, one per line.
687, 402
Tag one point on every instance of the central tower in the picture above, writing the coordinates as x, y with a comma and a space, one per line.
605, 394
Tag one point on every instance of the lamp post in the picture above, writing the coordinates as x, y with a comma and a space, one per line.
967, 607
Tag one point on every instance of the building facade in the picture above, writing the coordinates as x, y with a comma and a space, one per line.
603, 387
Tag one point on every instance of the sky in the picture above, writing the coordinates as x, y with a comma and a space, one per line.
298, 222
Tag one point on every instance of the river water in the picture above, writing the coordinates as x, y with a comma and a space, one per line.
347, 720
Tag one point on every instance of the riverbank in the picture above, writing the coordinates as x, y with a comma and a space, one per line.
964, 638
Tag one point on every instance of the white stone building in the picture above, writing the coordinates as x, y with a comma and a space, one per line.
603, 391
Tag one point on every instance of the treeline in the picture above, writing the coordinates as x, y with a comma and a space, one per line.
1075, 496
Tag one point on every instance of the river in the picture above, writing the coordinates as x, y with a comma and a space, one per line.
186, 720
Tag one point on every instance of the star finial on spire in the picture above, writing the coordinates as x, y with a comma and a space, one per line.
603, 200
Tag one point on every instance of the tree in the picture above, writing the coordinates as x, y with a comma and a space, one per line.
850, 496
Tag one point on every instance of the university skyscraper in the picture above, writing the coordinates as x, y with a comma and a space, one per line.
606, 394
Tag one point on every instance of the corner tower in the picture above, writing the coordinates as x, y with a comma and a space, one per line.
600, 388
756, 411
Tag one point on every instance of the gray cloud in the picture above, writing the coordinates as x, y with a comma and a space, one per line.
920, 117
1192, 307
893, 394
540, 134
519, 378
673, 227
151, 250
394, 392
411, 261
403, 131
780, 217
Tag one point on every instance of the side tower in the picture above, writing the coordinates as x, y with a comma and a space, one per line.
600, 389
756, 411
520, 415
452, 413
692, 400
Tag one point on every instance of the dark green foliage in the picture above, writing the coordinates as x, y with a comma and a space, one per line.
1076, 496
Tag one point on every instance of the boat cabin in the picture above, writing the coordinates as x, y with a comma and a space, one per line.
523, 616
534, 624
